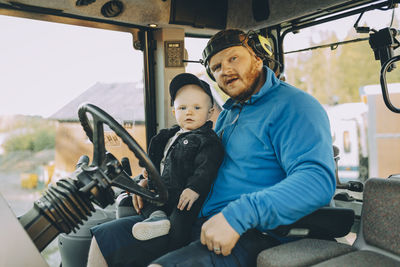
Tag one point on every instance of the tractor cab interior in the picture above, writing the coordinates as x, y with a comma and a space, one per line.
159, 30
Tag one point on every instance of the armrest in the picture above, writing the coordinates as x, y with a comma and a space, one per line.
324, 223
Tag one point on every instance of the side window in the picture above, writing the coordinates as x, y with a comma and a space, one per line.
345, 78
46, 71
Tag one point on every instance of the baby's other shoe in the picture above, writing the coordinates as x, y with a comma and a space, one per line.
154, 226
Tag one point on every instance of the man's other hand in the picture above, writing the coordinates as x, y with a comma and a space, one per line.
218, 235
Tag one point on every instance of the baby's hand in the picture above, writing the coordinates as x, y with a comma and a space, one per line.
188, 197
136, 199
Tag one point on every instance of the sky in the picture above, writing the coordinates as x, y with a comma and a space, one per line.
45, 65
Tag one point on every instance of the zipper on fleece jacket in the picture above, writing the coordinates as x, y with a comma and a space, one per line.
234, 123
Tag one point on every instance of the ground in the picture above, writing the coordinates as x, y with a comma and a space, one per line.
21, 199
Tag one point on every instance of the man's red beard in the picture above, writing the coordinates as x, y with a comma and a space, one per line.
254, 77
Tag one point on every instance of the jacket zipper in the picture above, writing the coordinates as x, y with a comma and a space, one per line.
234, 122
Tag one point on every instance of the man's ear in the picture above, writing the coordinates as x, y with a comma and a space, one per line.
259, 61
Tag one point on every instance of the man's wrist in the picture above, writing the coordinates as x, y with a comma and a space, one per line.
232, 221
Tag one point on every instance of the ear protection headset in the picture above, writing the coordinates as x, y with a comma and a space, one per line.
259, 44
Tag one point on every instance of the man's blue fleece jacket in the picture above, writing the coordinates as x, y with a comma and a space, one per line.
278, 164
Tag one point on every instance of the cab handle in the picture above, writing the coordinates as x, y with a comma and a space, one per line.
385, 94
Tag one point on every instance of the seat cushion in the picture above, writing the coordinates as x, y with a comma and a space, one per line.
360, 258
304, 252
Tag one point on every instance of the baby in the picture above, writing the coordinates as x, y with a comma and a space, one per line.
188, 156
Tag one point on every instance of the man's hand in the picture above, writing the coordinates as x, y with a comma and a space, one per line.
188, 197
218, 235
137, 200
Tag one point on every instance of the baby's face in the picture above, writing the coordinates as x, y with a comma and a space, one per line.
192, 107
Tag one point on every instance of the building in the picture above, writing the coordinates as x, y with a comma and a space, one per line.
383, 130
123, 101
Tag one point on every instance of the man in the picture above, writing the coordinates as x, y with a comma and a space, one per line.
278, 164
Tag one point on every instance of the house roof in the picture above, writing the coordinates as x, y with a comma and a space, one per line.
123, 101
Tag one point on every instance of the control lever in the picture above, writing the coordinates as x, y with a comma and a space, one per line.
344, 196
82, 160
126, 165
352, 186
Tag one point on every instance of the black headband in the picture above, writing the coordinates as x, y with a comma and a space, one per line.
221, 43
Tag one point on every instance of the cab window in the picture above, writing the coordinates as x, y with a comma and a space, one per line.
47, 71
345, 79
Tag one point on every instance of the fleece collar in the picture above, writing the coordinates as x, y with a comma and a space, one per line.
270, 82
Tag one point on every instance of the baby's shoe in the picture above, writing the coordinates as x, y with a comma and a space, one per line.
154, 226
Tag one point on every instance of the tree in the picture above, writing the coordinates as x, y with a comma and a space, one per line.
335, 75
35, 135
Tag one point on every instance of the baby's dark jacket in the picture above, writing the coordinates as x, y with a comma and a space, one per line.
192, 160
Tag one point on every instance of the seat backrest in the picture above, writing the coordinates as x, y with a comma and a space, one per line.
380, 217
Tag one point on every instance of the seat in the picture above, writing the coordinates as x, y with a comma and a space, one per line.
377, 242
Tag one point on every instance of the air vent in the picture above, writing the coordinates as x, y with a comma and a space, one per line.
112, 8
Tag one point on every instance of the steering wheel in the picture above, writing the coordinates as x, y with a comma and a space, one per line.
96, 136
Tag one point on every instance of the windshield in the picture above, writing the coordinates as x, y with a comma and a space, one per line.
47, 70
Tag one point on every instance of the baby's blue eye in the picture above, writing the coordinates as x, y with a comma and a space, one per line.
197, 107
182, 108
